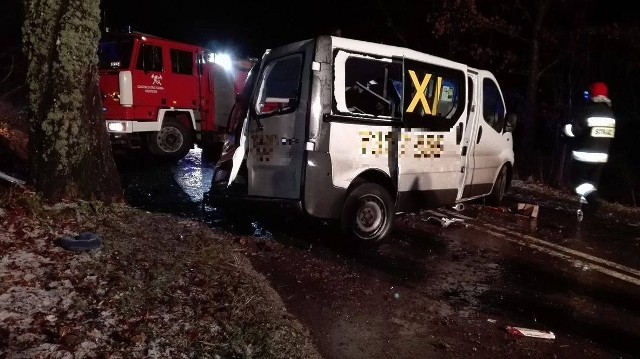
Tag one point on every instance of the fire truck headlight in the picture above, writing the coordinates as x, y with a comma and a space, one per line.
223, 60
116, 126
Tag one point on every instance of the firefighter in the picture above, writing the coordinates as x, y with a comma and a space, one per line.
591, 132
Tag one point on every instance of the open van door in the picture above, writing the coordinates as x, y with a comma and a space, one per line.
434, 125
490, 142
277, 127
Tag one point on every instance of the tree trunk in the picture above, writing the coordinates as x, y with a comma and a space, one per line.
529, 136
530, 143
69, 151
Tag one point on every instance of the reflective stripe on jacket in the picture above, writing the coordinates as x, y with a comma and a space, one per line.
593, 133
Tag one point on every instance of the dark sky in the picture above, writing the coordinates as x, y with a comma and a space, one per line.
245, 27
249, 27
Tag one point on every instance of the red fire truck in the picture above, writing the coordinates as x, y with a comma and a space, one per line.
166, 96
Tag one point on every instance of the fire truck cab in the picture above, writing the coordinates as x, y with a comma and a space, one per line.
165, 95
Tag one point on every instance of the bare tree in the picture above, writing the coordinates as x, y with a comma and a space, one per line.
69, 151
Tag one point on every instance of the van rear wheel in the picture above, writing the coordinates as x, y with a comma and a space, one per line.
368, 214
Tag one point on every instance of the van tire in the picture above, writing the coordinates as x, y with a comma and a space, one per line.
368, 214
499, 188
173, 141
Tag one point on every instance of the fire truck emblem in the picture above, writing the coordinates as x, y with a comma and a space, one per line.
157, 79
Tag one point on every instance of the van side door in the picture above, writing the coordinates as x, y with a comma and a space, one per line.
468, 145
490, 145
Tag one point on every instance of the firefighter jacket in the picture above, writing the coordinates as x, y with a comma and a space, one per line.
593, 131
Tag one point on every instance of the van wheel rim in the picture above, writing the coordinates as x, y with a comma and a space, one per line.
370, 217
170, 139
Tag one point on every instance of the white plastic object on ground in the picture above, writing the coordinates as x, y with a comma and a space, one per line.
526, 332
444, 221
11, 179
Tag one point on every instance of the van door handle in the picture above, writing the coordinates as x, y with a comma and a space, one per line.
479, 134
464, 150
459, 133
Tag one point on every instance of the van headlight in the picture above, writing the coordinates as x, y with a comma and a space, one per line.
117, 126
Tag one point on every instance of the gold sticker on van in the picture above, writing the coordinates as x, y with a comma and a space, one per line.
419, 97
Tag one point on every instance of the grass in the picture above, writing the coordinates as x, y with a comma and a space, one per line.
160, 286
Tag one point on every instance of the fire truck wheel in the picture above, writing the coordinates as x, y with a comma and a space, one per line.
368, 214
173, 141
499, 188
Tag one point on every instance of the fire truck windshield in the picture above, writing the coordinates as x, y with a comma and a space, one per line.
114, 53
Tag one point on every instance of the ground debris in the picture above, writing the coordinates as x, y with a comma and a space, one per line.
533, 333
446, 222
11, 179
519, 209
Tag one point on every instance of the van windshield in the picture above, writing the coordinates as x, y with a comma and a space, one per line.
114, 53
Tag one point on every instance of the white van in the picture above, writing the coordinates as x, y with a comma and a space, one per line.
356, 131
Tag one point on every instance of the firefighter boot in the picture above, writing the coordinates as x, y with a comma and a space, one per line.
579, 212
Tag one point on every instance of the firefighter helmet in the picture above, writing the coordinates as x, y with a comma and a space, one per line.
599, 89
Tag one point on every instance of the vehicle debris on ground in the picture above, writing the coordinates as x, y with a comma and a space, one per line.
520, 209
533, 333
11, 179
446, 222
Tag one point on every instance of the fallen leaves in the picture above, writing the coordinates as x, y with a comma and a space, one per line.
159, 286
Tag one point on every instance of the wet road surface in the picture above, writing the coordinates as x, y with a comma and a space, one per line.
434, 291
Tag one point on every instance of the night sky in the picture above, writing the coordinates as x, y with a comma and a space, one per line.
242, 27
247, 28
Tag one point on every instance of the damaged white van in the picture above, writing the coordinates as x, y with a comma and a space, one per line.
355, 131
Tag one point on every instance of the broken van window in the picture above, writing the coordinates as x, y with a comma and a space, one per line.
373, 87
280, 85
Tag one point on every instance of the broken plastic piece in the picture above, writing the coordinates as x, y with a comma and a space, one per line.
529, 210
11, 179
526, 332
444, 221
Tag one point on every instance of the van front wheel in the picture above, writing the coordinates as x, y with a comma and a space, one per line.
368, 213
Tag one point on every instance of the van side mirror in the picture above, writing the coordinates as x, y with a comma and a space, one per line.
510, 123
